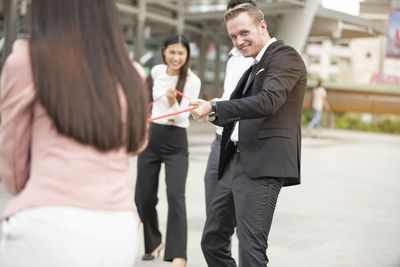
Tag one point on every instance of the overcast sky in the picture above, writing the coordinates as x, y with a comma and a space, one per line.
348, 6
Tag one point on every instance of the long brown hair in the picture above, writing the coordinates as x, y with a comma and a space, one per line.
78, 59
183, 72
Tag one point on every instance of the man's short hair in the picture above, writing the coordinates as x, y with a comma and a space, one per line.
233, 3
253, 12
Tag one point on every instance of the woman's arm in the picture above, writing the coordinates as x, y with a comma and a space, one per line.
16, 103
192, 91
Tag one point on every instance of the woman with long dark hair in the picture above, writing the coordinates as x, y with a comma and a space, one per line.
73, 108
168, 145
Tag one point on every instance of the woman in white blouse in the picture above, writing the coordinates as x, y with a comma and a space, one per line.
168, 144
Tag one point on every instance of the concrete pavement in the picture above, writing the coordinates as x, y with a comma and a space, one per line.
346, 213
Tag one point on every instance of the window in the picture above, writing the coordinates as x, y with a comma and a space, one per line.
314, 59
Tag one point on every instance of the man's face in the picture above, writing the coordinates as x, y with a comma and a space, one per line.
247, 36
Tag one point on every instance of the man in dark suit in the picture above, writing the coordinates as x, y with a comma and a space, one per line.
260, 146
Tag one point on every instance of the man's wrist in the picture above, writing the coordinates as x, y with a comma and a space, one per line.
213, 112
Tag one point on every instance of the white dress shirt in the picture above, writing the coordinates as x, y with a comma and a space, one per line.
161, 83
235, 133
235, 67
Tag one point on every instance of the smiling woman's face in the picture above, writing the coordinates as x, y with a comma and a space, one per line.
175, 57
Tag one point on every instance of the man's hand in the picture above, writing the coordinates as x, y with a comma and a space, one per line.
202, 110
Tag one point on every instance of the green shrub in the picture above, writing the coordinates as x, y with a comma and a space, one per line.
307, 116
351, 121
390, 124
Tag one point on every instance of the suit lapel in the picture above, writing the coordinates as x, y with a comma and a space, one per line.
238, 92
251, 78
258, 67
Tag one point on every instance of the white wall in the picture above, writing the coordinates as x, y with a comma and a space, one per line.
355, 60
366, 55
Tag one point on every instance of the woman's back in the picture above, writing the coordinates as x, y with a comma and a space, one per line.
73, 108
57, 169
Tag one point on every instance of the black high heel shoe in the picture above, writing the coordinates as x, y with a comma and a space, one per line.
150, 256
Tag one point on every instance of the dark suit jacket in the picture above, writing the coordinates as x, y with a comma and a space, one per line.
269, 110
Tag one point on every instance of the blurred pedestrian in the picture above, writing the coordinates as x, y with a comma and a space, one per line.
73, 108
319, 102
167, 144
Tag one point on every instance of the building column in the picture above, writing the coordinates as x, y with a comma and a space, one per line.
141, 20
217, 63
202, 60
10, 26
203, 55
296, 24
180, 17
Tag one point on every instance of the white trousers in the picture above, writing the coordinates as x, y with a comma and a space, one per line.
68, 236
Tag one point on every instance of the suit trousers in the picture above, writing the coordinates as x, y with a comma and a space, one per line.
251, 202
168, 145
211, 175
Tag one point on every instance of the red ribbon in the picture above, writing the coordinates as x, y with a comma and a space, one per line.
170, 114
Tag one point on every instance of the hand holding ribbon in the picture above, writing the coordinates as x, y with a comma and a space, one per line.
201, 109
171, 114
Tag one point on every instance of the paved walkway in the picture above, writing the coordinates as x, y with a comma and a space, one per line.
346, 213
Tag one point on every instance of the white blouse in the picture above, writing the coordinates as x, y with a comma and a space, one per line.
161, 83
